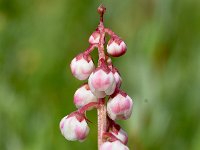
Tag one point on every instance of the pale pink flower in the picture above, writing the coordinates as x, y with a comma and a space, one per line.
82, 66
116, 47
83, 96
94, 38
73, 129
102, 82
119, 106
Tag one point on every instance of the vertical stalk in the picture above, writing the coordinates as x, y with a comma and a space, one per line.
102, 121
102, 116
101, 11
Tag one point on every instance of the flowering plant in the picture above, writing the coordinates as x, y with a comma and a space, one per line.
103, 81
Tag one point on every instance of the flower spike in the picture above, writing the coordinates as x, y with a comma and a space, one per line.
104, 80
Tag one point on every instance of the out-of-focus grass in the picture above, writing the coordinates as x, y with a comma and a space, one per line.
161, 70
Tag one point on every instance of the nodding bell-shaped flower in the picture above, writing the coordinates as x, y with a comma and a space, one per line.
116, 47
102, 82
83, 96
82, 66
119, 133
115, 145
119, 106
95, 37
74, 128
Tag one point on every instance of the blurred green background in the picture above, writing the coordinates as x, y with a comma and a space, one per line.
160, 71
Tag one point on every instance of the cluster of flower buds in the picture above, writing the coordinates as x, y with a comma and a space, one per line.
102, 88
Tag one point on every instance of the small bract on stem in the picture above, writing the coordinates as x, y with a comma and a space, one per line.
102, 92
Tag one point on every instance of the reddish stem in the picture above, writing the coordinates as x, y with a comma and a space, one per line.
102, 122
88, 107
90, 48
101, 46
101, 11
102, 119
110, 32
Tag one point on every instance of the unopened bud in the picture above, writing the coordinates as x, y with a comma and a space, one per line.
116, 47
82, 66
94, 38
102, 82
119, 106
83, 96
73, 129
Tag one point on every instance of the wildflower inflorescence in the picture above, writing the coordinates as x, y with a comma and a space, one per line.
103, 81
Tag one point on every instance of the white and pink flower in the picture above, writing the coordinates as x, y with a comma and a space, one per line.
116, 47
74, 129
83, 96
120, 134
119, 106
102, 82
82, 66
94, 38
116, 145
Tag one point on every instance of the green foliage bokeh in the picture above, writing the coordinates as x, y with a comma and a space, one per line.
160, 71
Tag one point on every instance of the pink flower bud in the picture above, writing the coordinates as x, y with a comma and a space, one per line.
73, 129
116, 47
94, 38
121, 135
119, 106
102, 82
117, 77
116, 145
82, 66
83, 96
